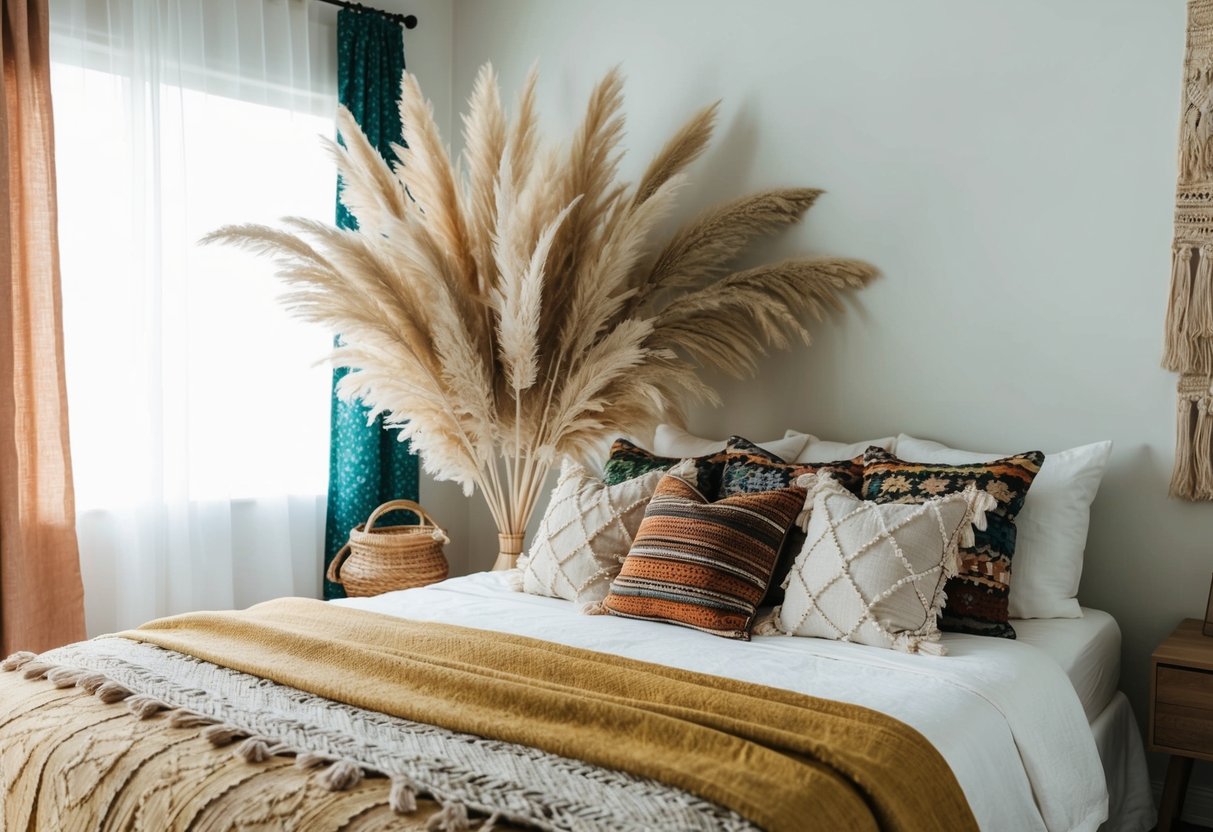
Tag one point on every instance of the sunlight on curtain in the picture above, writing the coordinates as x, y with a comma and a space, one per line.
199, 417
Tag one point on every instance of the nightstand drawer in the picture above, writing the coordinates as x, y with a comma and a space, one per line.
1184, 686
1181, 728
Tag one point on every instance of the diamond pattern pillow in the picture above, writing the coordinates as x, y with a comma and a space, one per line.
875, 574
628, 460
749, 468
978, 595
700, 564
585, 534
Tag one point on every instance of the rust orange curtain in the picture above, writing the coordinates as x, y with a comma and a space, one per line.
41, 597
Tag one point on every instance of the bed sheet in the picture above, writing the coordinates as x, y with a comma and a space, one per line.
1087, 649
1022, 766
1130, 799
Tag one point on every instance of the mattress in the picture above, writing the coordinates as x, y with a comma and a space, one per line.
1087, 649
1023, 768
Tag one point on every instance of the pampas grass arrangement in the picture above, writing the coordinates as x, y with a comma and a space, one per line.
513, 310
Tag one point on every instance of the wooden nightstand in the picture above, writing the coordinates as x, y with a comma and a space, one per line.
1181, 710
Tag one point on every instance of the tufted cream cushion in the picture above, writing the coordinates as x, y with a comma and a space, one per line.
875, 573
585, 534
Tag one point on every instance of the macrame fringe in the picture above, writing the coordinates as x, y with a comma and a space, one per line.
1192, 476
594, 608
338, 774
1188, 347
1175, 353
1201, 310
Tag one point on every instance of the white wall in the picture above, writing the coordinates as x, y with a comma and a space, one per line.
1009, 167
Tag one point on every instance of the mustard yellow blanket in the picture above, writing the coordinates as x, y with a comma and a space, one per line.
783, 760
218, 749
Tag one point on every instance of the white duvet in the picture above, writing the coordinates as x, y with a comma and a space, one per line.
1004, 715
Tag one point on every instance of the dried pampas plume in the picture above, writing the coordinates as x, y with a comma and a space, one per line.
513, 309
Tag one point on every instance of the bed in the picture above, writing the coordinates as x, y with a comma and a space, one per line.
1022, 766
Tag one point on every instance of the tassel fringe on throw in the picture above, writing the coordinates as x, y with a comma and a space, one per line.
473, 783
337, 775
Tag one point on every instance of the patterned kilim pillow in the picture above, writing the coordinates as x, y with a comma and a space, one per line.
700, 564
628, 461
585, 534
978, 596
875, 573
749, 468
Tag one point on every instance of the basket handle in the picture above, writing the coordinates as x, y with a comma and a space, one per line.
334, 570
400, 505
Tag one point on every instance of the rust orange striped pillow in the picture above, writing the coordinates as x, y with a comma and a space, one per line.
700, 564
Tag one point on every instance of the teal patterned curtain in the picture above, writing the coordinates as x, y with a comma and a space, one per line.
367, 466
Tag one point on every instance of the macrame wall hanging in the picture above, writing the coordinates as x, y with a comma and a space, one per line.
1189, 344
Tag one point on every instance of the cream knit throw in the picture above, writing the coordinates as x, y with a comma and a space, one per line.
261, 719
1189, 345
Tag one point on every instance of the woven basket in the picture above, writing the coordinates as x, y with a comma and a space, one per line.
382, 559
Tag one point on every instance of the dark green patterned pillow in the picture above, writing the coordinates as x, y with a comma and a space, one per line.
749, 468
978, 596
628, 461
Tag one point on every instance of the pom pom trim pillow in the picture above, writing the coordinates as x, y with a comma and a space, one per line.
875, 573
1051, 530
978, 595
700, 564
584, 535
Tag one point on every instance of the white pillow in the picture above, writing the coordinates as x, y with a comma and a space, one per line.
676, 442
1051, 530
823, 450
874, 573
585, 534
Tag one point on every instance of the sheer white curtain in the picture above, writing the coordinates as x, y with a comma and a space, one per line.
198, 413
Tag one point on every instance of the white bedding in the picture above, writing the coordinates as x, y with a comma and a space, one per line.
1003, 714
1087, 649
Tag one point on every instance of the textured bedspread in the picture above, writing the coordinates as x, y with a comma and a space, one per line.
784, 760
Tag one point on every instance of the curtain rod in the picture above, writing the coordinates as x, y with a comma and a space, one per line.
408, 21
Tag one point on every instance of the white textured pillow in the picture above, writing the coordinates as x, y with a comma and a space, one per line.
1051, 530
676, 442
874, 573
823, 450
585, 534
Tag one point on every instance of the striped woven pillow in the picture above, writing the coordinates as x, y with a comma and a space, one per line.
700, 564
